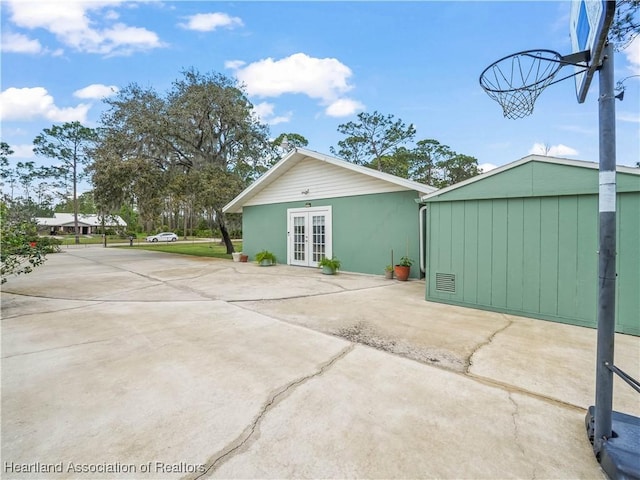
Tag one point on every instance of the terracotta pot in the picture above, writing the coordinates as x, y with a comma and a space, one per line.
244, 258
402, 273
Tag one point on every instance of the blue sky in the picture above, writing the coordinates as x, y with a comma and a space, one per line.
309, 67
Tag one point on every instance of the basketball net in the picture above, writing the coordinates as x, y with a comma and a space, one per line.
516, 81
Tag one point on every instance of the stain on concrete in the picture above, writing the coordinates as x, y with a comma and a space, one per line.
366, 334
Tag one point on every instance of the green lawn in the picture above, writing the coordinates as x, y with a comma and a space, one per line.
203, 249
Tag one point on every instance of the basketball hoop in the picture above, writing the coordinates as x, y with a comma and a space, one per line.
516, 81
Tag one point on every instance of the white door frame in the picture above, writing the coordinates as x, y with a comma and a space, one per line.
308, 213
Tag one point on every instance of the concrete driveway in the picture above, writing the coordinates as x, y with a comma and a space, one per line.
124, 363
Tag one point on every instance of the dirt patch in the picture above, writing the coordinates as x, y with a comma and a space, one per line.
366, 334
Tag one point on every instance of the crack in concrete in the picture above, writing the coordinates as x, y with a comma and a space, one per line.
102, 340
42, 312
514, 418
488, 341
54, 348
309, 295
222, 456
516, 432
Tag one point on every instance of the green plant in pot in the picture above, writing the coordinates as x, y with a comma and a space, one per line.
329, 265
265, 258
403, 269
388, 271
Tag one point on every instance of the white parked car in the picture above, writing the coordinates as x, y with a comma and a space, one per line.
163, 237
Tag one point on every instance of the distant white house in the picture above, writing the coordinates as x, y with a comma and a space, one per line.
62, 223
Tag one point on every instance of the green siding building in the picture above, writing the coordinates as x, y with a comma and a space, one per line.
523, 239
311, 205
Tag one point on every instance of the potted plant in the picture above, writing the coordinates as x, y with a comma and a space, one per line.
244, 257
265, 258
388, 271
329, 265
403, 269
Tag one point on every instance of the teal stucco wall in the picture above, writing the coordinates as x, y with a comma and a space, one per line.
366, 229
533, 256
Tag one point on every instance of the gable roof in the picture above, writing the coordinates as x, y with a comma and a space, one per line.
298, 156
545, 176
92, 219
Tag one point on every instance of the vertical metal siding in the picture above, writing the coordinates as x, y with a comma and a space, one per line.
533, 256
628, 264
515, 257
470, 278
532, 252
587, 258
485, 252
549, 237
568, 295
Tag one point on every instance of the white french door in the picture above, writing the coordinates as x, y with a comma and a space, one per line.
309, 235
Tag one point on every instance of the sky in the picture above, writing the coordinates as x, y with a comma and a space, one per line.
308, 67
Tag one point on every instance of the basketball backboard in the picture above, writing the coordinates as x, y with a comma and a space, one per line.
589, 25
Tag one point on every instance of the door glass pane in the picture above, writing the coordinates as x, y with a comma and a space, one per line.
298, 238
318, 237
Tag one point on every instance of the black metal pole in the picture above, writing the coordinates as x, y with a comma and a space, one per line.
607, 253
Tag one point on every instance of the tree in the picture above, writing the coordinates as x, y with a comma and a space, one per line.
426, 156
293, 140
19, 249
456, 169
437, 165
6, 173
27, 173
85, 201
281, 146
70, 144
373, 137
157, 146
626, 23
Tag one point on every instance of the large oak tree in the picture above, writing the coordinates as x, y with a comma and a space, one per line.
160, 148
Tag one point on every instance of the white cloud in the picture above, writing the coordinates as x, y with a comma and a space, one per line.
19, 43
97, 91
22, 151
264, 113
344, 107
234, 64
630, 117
632, 52
73, 22
208, 22
559, 150
111, 15
487, 167
262, 110
20, 104
320, 78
